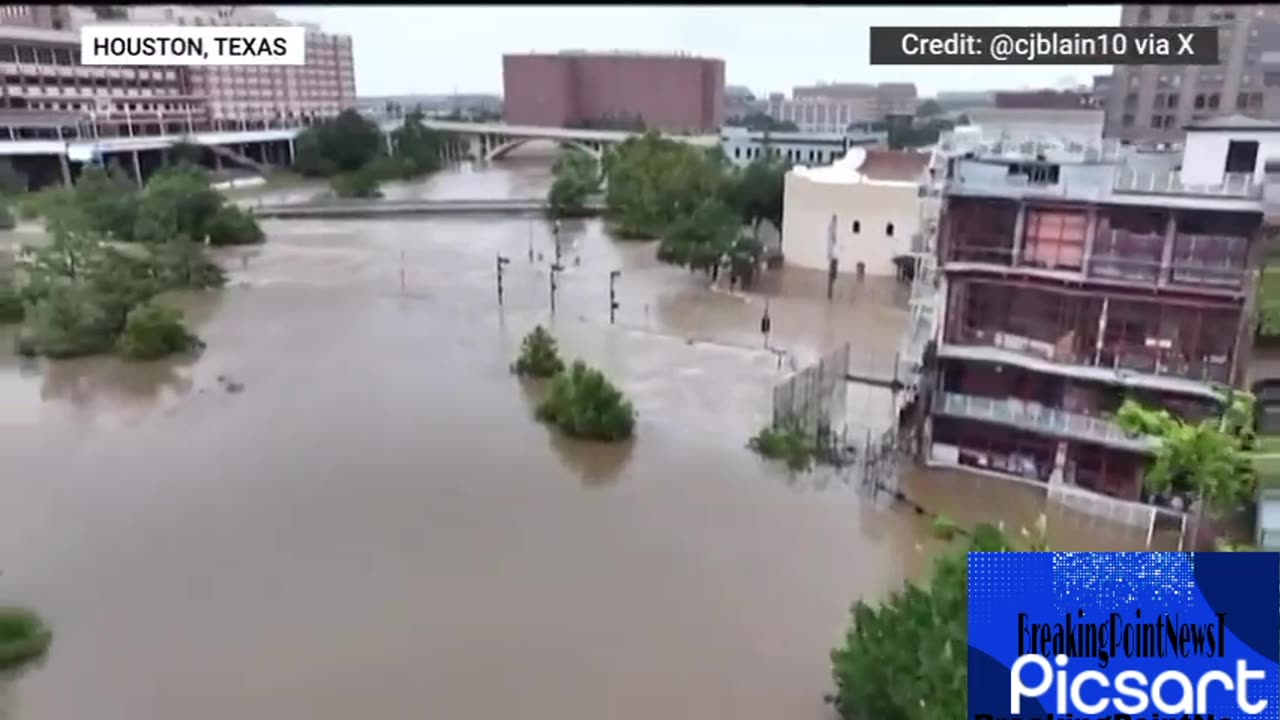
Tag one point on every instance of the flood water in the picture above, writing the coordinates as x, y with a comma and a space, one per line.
376, 525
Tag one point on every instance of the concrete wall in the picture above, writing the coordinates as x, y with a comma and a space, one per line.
672, 93
807, 209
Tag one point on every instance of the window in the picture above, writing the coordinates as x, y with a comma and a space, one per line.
1213, 101
1271, 79
1200, 101
1173, 101
888, 229
857, 227
1242, 156
1054, 238
1144, 14
735, 153
1127, 121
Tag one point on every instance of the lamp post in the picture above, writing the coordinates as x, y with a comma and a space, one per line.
555, 268
613, 298
531, 241
501, 262
555, 232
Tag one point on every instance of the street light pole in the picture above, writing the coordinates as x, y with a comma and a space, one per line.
555, 231
557, 267
613, 298
501, 262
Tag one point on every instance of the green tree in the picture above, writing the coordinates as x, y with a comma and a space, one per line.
652, 181
762, 122
363, 183
907, 658
231, 225
68, 321
539, 357
1201, 460
577, 178
182, 194
584, 404
418, 149
756, 193
106, 202
24, 637
344, 144
701, 239
154, 331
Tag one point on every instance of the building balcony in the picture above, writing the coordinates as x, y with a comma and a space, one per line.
1032, 416
1071, 351
1233, 185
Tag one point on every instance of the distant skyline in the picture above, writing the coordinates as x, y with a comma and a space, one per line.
401, 50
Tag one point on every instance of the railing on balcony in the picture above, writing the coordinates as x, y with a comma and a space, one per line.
1037, 417
1169, 182
1137, 358
992, 254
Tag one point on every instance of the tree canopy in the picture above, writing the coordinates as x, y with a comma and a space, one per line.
344, 144
353, 153
577, 178
1205, 459
907, 658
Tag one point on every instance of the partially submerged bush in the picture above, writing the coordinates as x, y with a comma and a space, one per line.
7, 220
11, 309
154, 331
787, 442
362, 183
539, 356
584, 404
23, 636
231, 225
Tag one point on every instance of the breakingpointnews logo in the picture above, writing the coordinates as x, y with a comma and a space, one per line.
1157, 636
186, 45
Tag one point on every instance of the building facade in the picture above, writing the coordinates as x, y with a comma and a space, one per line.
886, 98
1069, 284
48, 93
836, 107
741, 145
864, 210
673, 93
1153, 103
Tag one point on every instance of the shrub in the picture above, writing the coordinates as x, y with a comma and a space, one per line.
153, 331
788, 442
584, 404
68, 321
7, 220
362, 183
11, 309
23, 636
231, 225
539, 356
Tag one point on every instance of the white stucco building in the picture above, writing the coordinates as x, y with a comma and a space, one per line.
1230, 149
742, 146
873, 198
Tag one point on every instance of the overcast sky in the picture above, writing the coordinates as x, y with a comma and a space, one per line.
443, 49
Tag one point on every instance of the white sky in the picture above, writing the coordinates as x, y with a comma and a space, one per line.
444, 49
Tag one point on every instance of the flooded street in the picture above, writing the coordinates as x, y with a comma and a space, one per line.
376, 523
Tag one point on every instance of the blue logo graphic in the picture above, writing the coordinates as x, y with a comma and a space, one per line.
1124, 636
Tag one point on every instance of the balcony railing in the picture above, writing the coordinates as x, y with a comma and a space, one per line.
1169, 182
1147, 271
1133, 358
1042, 419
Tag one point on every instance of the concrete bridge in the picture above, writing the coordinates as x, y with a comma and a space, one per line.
353, 208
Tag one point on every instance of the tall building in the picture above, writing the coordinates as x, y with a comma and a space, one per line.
50, 94
1072, 281
884, 98
671, 92
1153, 103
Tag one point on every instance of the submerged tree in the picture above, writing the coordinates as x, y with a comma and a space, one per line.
584, 404
24, 637
154, 331
539, 357
577, 178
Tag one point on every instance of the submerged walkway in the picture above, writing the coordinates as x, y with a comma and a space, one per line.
338, 209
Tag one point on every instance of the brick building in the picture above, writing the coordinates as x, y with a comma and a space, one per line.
674, 93
48, 93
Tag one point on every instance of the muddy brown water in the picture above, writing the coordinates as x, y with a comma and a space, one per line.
376, 524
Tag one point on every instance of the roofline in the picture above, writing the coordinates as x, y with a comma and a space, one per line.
1233, 128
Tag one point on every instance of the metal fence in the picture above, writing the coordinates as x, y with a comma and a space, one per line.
814, 399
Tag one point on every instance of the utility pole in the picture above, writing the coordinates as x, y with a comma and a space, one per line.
555, 232
766, 323
555, 268
501, 262
530, 241
613, 298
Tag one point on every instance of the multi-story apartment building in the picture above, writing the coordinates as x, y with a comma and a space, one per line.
834, 108
47, 93
1153, 103
1071, 281
671, 92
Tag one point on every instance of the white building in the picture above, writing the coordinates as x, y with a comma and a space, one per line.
1229, 150
742, 146
872, 199
1069, 127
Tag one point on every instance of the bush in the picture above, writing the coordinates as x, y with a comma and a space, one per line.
539, 356
7, 220
362, 183
153, 331
23, 637
231, 225
787, 442
584, 404
69, 321
11, 308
